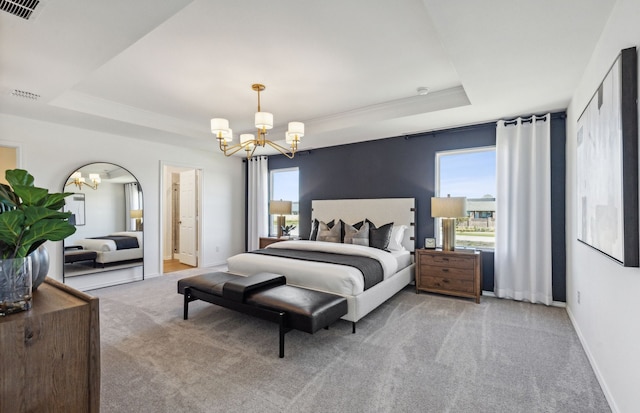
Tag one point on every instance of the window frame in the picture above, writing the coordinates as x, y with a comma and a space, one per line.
437, 226
272, 230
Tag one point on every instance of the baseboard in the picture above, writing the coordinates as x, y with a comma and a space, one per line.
106, 279
213, 264
594, 365
553, 303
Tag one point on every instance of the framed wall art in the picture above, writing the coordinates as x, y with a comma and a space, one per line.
607, 164
76, 205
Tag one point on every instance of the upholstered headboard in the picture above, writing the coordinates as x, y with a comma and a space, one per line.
400, 211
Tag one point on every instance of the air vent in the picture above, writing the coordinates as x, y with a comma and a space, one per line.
24, 94
21, 8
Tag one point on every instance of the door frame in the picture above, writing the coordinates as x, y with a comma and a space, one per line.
166, 185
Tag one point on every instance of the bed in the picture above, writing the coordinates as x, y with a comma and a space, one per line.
114, 247
345, 280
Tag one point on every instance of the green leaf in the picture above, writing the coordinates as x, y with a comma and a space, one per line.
11, 225
35, 246
33, 214
56, 201
17, 177
30, 195
51, 230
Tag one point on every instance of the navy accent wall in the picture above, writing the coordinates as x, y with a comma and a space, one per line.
404, 167
558, 232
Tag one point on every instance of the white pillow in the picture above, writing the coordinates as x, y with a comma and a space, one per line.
397, 235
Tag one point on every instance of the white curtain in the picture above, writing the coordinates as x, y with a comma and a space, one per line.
257, 201
132, 201
523, 208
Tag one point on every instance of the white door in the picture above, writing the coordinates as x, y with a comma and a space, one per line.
188, 219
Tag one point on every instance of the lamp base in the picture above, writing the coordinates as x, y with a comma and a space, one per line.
448, 234
280, 221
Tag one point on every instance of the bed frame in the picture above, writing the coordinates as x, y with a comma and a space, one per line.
400, 211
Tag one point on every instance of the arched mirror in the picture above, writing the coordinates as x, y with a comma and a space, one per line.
107, 210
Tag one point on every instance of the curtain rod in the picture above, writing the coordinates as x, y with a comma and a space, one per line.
538, 118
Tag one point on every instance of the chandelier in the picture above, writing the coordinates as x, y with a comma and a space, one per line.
248, 142
78, 180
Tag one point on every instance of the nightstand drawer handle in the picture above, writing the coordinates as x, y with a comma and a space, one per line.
445, 270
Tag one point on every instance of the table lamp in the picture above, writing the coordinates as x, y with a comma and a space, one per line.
280, 208
448, 209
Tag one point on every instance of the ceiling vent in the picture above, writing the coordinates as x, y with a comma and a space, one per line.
23, 94
21, 8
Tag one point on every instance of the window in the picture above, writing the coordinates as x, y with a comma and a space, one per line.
470, 173
283, 185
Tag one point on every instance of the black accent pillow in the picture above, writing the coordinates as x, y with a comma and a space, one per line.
314, 230
380, 237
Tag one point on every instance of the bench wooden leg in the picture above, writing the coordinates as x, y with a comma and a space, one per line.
354, 327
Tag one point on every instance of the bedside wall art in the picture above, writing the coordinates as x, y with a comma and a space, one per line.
607, 164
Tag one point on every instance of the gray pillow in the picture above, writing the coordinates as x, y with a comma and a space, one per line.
329, 234
353, 235
315, 226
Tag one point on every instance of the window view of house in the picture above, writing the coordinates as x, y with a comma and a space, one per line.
470, 173
284, 186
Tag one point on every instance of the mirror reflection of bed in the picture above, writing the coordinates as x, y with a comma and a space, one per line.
107, 209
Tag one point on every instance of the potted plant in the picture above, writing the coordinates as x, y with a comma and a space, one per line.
286, 230
29, 216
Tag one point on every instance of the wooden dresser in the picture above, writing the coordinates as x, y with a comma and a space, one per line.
50, 355
456, 273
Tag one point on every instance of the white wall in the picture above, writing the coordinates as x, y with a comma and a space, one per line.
104, 211
51, 152
608, 316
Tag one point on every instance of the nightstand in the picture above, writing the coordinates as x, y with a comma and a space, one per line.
264, 241
456, 273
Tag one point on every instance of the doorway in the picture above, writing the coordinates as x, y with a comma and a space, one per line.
181, 189
9, 158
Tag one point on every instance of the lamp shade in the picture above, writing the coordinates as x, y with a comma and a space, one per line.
219, 125
449, 207
264, 120
136, 213
220, 128
295, 132
246, 140
280, 207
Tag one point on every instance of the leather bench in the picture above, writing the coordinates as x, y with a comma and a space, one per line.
71, 256
266, 296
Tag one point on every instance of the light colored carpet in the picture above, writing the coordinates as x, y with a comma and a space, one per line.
415, 353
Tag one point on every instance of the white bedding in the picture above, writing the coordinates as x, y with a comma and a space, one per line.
339, 279
105, 245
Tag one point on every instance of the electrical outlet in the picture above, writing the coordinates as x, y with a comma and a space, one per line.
578, 297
